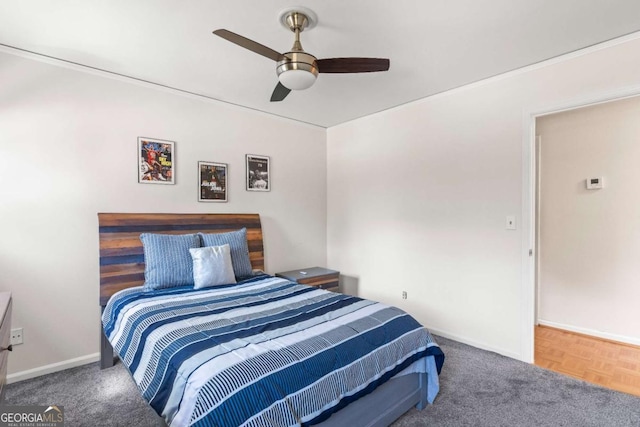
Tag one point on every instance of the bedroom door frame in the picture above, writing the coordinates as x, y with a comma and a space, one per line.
529, 204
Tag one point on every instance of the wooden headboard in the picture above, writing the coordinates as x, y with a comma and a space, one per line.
121, 255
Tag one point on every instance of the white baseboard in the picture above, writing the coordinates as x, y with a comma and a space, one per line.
476, 344
54, 367
592, 332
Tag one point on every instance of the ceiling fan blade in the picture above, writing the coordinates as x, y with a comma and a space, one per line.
248, 44
352, 65
279, 93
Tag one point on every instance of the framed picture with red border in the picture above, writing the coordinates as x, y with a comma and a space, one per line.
156, 161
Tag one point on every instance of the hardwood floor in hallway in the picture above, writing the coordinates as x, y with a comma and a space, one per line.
607, 363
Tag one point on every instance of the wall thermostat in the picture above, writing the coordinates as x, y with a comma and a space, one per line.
594, 183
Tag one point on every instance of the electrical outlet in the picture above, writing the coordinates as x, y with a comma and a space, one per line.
404, 294
16, 336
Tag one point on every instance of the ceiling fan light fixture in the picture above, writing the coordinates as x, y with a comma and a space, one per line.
297, 79
297, 70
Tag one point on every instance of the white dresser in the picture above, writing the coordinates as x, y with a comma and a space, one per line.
5, 337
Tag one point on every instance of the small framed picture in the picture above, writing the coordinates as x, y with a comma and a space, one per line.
258, 173
212, 182
156, 161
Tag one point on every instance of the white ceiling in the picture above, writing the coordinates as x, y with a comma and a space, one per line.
433, 45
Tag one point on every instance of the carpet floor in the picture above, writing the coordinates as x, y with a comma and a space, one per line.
478, 388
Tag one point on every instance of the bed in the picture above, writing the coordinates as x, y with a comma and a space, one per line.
390, 362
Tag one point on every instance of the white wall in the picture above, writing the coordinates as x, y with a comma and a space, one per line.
590, 239
68, 151
418, 196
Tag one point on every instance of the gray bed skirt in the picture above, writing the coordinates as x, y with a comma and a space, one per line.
384, 405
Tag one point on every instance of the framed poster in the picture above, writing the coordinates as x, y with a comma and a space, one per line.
156, 161
258, 173
212, 182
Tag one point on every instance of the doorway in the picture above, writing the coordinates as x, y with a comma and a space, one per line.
586, 211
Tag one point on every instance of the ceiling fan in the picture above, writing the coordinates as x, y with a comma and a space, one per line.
297, 69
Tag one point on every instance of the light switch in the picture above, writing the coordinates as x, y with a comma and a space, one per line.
511, 222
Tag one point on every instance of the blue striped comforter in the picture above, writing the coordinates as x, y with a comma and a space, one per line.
263, 352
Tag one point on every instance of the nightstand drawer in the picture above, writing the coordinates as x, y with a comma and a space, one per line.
323, 278
327, 282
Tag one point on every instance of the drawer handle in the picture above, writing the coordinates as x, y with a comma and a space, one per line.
10, 348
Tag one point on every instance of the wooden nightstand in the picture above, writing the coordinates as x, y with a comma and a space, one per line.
314, 276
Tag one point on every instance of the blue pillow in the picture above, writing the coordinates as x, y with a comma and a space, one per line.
167, 259
237, 241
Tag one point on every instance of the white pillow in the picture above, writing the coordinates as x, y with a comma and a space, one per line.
212, 266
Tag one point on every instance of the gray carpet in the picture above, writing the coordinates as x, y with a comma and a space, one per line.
478, 388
